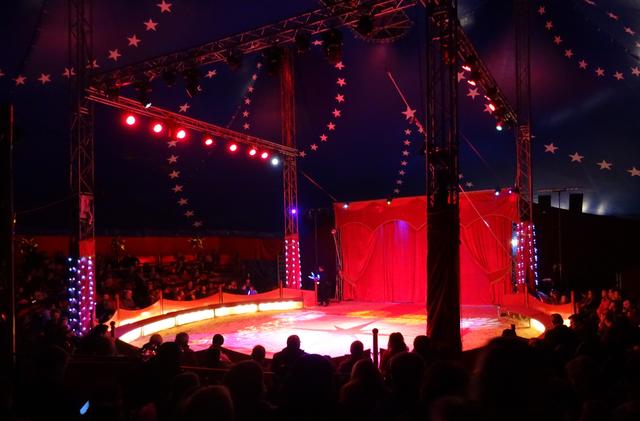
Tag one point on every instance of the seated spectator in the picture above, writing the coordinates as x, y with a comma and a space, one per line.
150, 349
284, 360
187, 356
365, 390
98, 342
395, 345
246, 384
357, 353
207, 403
422, 346
216, 342
126, 299
559, 334
258, 354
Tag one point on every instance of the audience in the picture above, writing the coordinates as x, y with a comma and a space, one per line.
589, 370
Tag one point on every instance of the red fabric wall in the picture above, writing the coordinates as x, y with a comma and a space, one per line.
384, 247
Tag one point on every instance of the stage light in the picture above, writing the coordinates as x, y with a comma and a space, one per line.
264, 155
510, 191
233, 147
499, 126
497, 191
275, 161
302, 42
332, 43
345, 205
293, 211
157, 128
514, 242
474, 77
130, 119
492, 107
468, 63
181, 134
389, 201
253, 152
208, 141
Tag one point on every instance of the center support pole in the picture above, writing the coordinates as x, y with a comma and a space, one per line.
290, 173
443, 212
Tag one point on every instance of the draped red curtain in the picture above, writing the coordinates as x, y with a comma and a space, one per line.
384, 247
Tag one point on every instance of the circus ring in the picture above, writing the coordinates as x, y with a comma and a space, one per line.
269, 318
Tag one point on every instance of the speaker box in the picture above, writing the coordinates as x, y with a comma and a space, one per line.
544, 201
575, 202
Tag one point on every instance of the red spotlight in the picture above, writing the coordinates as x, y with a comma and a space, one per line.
253, 151
157, 128
466, 67
130, 119
471, 82
208, 141
233, 147
181, 134
264, 155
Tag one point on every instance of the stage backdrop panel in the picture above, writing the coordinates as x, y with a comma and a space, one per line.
384, 247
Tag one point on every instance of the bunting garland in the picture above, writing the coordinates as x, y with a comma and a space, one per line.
577, 159
114, 55
583, 64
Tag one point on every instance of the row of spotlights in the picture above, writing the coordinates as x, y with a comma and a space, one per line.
181, 134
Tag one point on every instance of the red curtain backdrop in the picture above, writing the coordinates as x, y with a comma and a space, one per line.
384, 247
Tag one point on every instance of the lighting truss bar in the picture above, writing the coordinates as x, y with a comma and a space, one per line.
130, 105
317, 21
466, 49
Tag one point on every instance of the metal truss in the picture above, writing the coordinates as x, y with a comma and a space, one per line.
169, 117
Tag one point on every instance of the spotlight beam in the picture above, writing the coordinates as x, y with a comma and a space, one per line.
157, 113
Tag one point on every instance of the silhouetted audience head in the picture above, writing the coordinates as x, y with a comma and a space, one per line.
356, 349
310, 386
396, 342
155, 339
217, 340
182, 339
258, 353
209, 403
293, 342
556, 319
245, 382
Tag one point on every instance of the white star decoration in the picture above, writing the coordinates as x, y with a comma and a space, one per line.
618, 75
469, 184
114, 55
396, 191
403, 163
568, 53
405, 153
211, 73
339, 65
409, 113
460, 76
629, 31
402, 172
247, 101
20, 80
407, 131
197, 224
576, 157
583, 64
44, 78
68, 72
600, 72
604, 165
323, 137
340, 98
341, 81
473, 93
172, 143
557, 40
246, 126
398, 182
331, 126
183, 201
164, 7
172, 159
613, 16
317, 42
487, 109
184, 107
133, 40
245, 114
177, 188
407, 142
336, 113
635, 71
150, 25
551, 148
549, 25
189, 214
634, 172
314, 147
541, 10
174, 174
302, 154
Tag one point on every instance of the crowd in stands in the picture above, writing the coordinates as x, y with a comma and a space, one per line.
42, 289
587, 371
